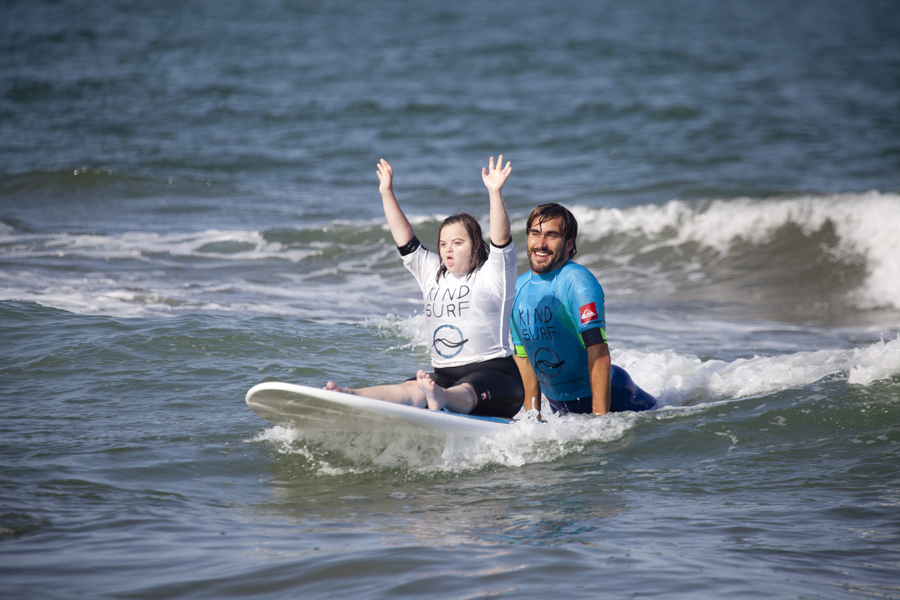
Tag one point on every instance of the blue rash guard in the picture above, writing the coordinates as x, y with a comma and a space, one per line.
555, 317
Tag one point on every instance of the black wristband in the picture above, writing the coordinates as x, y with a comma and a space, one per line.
593, 336
409, 247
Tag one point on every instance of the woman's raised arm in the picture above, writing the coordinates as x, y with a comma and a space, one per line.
397, 222
494, 178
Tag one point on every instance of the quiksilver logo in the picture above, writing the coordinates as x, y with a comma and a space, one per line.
588, 312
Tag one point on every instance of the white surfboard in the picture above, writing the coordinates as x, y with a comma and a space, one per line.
321, 411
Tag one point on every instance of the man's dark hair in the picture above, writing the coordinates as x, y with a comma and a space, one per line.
473, 229
548, 212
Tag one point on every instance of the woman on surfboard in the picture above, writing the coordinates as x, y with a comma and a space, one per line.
468, 291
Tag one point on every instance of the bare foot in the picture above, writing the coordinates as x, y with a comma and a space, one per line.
434, 394
332, 387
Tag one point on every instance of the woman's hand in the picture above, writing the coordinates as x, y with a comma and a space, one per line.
386, 177
401, 230
494, 178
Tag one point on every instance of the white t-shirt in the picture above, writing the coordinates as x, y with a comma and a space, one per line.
468, 316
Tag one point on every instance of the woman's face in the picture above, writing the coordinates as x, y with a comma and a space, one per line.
455, 249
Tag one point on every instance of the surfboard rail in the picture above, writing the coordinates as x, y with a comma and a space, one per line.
314, 409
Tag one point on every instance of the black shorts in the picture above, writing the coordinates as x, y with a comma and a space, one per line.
497, 383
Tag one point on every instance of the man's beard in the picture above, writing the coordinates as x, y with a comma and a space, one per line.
556, 261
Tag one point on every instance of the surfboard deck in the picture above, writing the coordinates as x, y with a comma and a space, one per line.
322, 411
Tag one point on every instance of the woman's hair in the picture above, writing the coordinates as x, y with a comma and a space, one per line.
473, 229
548, 212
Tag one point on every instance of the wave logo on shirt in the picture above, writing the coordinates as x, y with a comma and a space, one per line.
547, 363
588, 313
448, 341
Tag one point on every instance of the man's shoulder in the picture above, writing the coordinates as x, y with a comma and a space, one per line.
574, 271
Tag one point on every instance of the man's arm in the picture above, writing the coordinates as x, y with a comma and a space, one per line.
532, 386
598, 370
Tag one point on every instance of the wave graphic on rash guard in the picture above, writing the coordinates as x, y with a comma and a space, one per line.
551, 365
547, 362
452, 345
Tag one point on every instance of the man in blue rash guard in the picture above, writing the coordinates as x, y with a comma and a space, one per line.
558, 326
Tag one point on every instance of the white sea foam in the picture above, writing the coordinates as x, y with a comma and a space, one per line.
143, 293
414, 328
867, 226
678, 378
528, 441
679, 381
876, 362
284, 441
139, 273
149, 246
524, 442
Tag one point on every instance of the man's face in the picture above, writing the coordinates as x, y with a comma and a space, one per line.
547, 248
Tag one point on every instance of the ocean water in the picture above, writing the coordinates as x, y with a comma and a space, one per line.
189, 207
